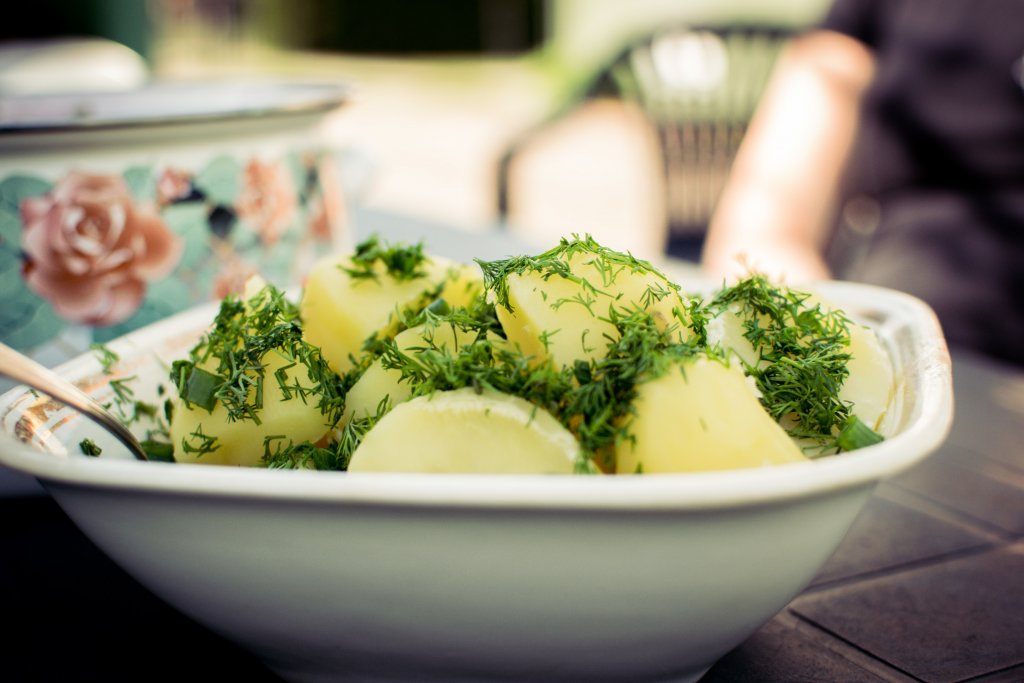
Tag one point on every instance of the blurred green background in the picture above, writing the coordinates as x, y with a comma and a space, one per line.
576, 28
473, 113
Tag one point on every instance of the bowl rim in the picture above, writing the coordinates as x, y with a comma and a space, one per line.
927, 428
27, 114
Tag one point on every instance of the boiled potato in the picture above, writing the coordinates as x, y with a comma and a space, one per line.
340, 312
869, 386
463, 283
702, 415
378, 382
557, 318
374, 385
240, 442
462, 431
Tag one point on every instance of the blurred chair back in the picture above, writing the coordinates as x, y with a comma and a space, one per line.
699, 88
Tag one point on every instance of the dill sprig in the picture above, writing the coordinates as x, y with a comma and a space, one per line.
129, 410
107, 357
558, 260
489, 362
401, 262
199, 443
803, 353
228, 365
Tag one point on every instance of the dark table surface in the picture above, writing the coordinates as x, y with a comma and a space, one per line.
927, 586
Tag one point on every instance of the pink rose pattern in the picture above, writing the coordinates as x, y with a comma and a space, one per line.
89, 249
267, 200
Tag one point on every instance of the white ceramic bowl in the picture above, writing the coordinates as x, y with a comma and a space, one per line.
118, 209
336, 576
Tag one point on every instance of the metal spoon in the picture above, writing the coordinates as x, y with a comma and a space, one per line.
21, 368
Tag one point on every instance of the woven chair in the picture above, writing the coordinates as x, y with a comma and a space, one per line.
698, 87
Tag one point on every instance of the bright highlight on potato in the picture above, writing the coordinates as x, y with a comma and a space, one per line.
577, 360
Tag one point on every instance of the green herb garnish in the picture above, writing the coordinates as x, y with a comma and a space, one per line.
228, 366
89, 447
802, 357
130, 410
198, 443
281, 453
402, 262
592, 398
556, 261
106, 356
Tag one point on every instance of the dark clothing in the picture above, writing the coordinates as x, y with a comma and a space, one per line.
941, 151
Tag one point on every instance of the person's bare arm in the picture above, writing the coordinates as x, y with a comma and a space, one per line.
775, 210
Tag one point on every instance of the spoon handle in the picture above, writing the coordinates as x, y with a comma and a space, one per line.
21, 368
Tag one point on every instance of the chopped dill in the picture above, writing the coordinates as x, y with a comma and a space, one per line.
802, 357
228, 365
557, 262
129, 411
106, 356
402, 262
590, 398
198, 443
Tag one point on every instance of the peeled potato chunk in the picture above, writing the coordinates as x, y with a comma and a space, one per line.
871, 383
462, 283
340, 312
702, 415
559, 318
240, 442
378, 382
461, 431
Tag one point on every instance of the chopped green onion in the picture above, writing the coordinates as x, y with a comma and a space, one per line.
855, 434
90, 448
201, 388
